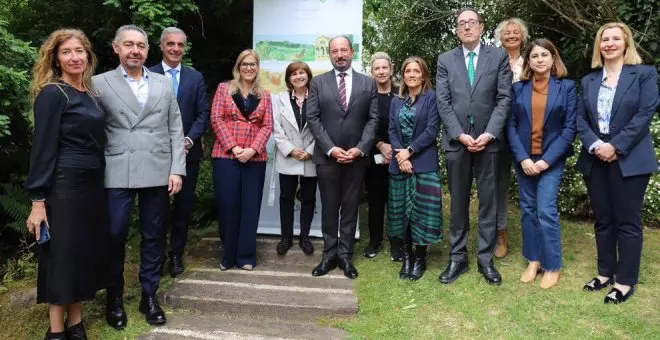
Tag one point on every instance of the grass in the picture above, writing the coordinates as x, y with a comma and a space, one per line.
467, 309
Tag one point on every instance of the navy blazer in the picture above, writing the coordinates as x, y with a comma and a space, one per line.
425, 156
194, 107
558, 124
633, 108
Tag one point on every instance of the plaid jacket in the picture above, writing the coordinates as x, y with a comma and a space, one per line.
232, 129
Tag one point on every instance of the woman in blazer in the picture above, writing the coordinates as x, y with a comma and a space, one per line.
242, 119
415, 200
293, 158
617, 158
541, 131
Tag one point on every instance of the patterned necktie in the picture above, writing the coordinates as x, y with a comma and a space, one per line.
175, 83
342, 90
471, 70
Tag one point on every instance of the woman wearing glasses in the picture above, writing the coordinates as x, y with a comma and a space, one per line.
242, 119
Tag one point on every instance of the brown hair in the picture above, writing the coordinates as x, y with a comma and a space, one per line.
235, 84
630, 57
293, 67
558, 68
426, 77
46, 70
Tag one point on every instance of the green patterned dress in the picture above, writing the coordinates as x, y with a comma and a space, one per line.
415, 200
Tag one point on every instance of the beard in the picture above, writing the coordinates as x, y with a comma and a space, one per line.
342, 68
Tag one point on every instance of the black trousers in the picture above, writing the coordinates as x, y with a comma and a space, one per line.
340, 192
288, 188
377, 181
182, 208
617, 203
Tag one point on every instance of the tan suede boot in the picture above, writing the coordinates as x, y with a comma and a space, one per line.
502, 243
550, 279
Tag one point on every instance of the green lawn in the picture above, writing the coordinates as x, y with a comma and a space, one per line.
467, 309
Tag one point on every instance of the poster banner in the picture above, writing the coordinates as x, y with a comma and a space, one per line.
290, 30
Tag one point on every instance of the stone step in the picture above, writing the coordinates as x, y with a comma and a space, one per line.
267, 277
210, 248
212, 327
268, 264
243, 298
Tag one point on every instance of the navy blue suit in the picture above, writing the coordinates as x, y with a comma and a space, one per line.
616, 189
538, 194
194, 106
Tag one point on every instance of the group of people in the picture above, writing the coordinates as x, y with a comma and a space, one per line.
102, 140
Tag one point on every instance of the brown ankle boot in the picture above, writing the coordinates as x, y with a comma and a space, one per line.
502, 243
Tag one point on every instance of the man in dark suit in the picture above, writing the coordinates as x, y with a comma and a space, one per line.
342, 113
190, 90
473, 92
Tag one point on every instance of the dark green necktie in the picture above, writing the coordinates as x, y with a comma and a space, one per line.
471, 70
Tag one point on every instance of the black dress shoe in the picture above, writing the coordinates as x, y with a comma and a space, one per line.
324, 267
55, 336
419, 266
114, 312
349, 270
371, 251
454, 270
151, 309
284, 245
615, 296
306, 245
76, 332
176, 265
491, 274
595, 285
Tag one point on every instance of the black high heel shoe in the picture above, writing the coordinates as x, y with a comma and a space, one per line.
595, 285
615, 296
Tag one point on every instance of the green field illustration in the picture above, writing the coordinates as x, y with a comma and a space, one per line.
303, 47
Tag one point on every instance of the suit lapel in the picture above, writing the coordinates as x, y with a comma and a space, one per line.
183, 82
334, 87
459, 59
124, 92
285, 100
625, 81
482, 62
155, 91
553, 93
355, 87
527, 99
594, 87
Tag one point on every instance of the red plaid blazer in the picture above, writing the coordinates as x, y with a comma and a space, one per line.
232, 129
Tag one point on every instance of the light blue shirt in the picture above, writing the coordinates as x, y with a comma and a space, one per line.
604, 107
140, 88
466, 55
167, 68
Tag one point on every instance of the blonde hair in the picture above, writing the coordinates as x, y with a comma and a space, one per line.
426, 77
558, 68
386, 57
235, 84
46, 70
512, 21
630, 57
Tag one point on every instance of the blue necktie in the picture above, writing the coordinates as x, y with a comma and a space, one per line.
175, 83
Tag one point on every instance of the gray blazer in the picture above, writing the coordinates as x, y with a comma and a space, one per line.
331, 126
488, 101
287, 136
145, 146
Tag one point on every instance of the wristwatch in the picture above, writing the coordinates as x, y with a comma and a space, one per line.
410, 150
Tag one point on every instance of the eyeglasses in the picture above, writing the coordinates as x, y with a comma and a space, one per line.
248, 65
470, 23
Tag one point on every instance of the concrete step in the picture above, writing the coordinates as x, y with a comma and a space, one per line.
212, 327
259, 276
210, 248
267, 299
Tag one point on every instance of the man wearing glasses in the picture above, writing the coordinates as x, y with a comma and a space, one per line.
473, 92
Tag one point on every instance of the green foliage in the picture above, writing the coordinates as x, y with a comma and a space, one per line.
15, 203
21, 267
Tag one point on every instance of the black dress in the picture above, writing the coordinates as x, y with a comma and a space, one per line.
66, 169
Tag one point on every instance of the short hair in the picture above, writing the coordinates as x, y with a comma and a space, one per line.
380, 56
293, 67
341, 36
558, 68
426, 75
512, 21
173, 30
630, 57
468, 9
131, 27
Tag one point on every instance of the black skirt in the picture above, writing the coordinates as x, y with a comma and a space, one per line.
72, 265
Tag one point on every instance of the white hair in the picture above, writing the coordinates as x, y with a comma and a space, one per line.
173, 30
125, 28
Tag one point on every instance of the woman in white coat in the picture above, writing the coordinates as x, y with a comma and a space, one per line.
293, 158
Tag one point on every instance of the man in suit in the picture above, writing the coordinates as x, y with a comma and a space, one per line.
145, 157
473, 91
342, 112
190, 91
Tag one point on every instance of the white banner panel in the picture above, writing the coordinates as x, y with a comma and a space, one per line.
290, 30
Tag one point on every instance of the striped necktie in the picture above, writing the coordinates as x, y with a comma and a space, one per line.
471, 69
342, 90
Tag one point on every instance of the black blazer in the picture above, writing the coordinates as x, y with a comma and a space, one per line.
194, 107
633, 108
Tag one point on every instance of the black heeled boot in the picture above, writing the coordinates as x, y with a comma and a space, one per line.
76, 332
55, 336
408, 258
396, 249
419, 266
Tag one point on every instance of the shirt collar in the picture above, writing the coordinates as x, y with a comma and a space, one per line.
293, 94
145, 73
166, 67
466, 51
348, 72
